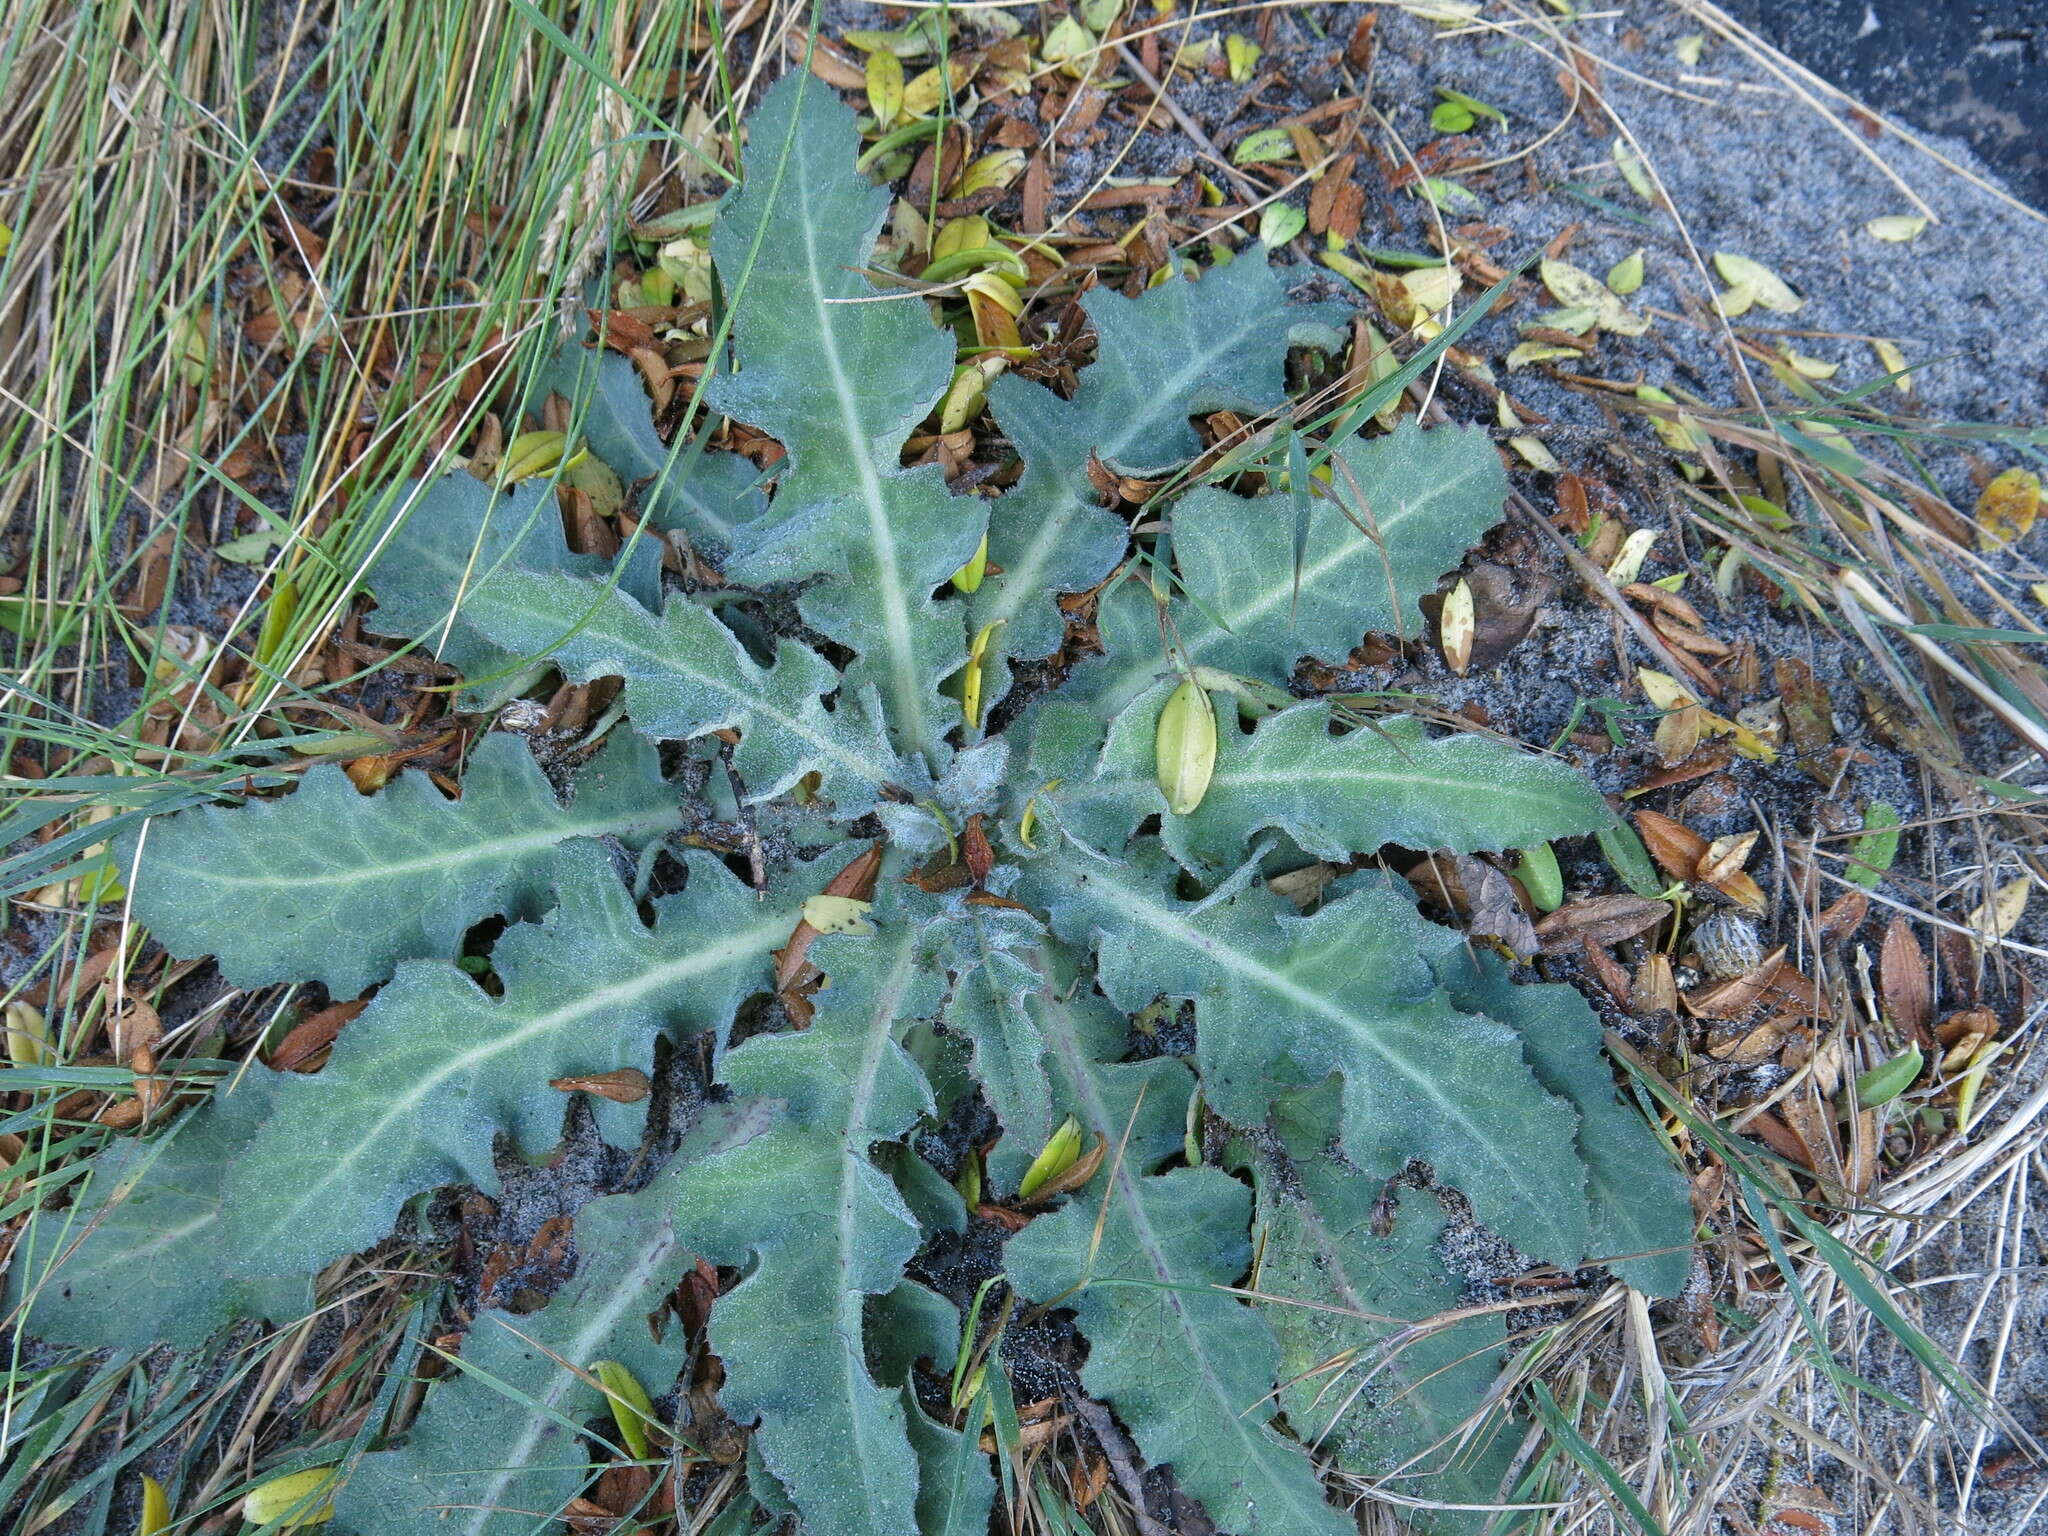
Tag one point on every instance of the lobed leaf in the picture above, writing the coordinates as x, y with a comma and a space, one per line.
1176, 350
822, 1229
1642, 1212
329, 885
992, 953
445, 539
139, 1258
1138, 1256
1404, 1405
705, 497
435, 1069
687, 675
494, 1451
1401, 510
1383, 782
839, 373
1285, 999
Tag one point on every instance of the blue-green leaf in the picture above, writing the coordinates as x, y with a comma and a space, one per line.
1401, 510
435, 1069
823, 1229
339, 887
1280, 998
839, 372
1387, 781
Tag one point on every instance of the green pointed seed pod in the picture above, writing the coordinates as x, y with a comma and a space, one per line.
1187, 747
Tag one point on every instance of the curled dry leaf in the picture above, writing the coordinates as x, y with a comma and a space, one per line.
305, 1047
1726, 856
1842, 917
1743, 1044
2006, 508
1962, 1034
1676, 847
1738, 995
1602, 919
1655, 988
628, 1085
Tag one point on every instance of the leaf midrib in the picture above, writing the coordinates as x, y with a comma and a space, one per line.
1196, 631
1022, 581
584, 1346
1080, 1072
403, 1105
616, 647
880, 1036
1168, 924
904, 688
506, 847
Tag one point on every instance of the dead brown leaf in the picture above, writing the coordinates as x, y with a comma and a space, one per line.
1603, 919
628, 1085
1738, 995
1677, 849
305, 1047
1903, 981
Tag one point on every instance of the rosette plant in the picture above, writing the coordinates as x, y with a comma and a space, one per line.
1226, 1128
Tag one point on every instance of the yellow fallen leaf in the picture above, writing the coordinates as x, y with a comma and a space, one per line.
836, 914
963, 402
1634, 172
1066, 43
1430, 289
1678, 433
299, 1498
1892, 360
964, 234
530, 454
1895, 227
1538, 352
1997, 917
27, 1035
994, 305
156, 1508
885, 88
1572, 285
1766, 287
1635, 549
921, 96
1809, 367
2006, 508
1456, 627
1689, 47
998, 168
1352, 270
1535, 455
1736, 301
1626, 275
1667, 693
1243, 55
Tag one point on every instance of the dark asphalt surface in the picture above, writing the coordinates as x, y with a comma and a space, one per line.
1973, 71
